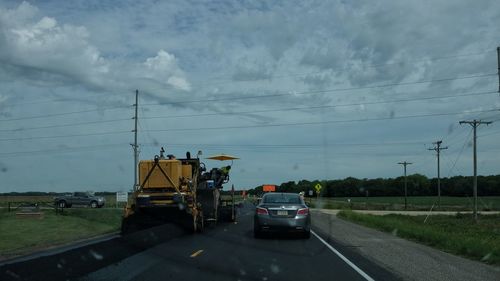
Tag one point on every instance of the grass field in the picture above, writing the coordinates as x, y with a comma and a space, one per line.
488, 203
454, 234
49, 200
22, 235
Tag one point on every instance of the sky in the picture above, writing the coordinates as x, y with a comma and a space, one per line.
295, 89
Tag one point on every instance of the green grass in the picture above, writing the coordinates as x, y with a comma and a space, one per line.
454, 234
22, 235
49, 200
485, 203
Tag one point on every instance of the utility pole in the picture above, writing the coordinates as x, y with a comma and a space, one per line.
438, 149
406, 183
135, 146
498, 64
474, 123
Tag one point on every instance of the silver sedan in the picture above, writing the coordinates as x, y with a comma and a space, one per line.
282, 212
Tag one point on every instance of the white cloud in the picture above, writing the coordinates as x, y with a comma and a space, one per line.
165, 65
46, 46
228, 52
41, 49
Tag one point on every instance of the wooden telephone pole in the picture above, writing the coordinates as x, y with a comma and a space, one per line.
438, 149
474, 123
406, 183
135, 146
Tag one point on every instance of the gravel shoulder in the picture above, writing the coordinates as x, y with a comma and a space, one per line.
409, 213
407, 259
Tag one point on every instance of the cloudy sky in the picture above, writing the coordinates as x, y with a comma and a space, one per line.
296, 89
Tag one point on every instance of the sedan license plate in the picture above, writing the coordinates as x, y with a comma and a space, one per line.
282, 213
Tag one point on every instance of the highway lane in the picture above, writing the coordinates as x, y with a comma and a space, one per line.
230, 252
226, 252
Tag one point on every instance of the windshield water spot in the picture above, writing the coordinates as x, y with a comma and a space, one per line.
96, 255
275, 269
486, 257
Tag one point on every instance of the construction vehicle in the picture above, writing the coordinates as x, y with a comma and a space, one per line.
178, 191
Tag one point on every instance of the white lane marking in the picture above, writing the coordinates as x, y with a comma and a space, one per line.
357, 269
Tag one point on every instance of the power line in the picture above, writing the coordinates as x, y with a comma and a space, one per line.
142, 128
457, 133
493, 133
290, 93
67, 136
460, 154
66, 125
318, 122
62, 114
223, 146
290, 145
319, 107
245, 112
59, 99
454, 137
275, 76
266, 96
223, 80
65, 149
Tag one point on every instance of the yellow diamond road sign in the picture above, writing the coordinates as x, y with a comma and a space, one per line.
318, 188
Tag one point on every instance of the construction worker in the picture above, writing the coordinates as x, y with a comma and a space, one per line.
225, 170
222, 174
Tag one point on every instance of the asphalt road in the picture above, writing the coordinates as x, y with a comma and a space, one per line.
225, 252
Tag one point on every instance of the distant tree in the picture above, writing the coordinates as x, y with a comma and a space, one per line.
418, 185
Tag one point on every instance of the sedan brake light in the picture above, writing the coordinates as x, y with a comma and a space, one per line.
303, 211
262, 211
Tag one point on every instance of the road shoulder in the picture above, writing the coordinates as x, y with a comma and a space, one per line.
409, 260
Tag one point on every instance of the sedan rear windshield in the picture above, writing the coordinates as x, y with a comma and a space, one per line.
282, 198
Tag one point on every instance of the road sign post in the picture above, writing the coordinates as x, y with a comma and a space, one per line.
121, 197
318, 190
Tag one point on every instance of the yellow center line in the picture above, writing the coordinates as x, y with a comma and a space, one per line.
197, 253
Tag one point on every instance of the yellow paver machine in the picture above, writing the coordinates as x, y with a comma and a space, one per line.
180, 191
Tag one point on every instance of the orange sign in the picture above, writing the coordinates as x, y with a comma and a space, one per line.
269, 188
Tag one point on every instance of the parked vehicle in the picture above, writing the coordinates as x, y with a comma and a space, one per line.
285, 212
79, 198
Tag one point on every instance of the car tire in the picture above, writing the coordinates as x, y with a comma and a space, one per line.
93, 204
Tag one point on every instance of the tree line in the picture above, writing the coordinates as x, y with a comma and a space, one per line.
418, 185
44, 193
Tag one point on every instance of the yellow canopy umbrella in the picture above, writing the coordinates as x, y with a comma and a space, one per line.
222, 157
